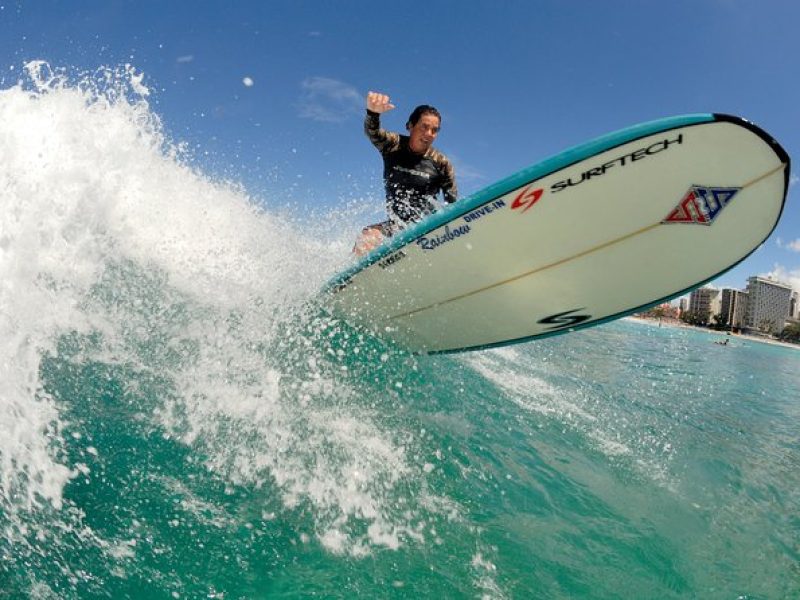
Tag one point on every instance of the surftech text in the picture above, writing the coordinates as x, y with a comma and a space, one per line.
622, 161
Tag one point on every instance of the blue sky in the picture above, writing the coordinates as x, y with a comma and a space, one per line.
515, 81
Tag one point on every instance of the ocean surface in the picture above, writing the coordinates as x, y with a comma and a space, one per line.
180, 419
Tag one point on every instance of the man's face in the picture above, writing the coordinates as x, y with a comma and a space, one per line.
423, 133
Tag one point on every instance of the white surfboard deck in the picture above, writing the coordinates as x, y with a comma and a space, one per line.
602, 230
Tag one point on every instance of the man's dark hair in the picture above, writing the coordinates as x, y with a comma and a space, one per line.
422, 109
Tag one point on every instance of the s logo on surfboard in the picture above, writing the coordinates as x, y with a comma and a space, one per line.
564, 319
526, 198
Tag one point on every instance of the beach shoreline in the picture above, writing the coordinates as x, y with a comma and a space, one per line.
728, 335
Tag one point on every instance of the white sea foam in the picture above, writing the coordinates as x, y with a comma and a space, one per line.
529, 385
205, 290
526, 389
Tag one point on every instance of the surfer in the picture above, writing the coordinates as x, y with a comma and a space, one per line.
414, 172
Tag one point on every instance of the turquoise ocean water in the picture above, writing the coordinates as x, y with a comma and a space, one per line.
178, 421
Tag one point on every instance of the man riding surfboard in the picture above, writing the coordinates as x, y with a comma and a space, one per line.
414, 172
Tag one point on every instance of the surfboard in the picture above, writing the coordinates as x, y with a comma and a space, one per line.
602, 230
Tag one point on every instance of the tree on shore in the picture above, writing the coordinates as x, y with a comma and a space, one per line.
791, 333
693, 318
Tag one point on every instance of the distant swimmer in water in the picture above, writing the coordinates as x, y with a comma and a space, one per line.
414, 172
722, 343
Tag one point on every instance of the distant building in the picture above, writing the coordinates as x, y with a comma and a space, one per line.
704, 302
683, 305
668, 311
794, 306
768, 303
732, 308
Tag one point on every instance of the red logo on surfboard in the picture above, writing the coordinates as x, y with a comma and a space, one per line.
527, 198
701, 205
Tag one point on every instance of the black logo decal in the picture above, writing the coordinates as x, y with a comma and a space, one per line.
564, 319
621, 161
338, 287
391, 259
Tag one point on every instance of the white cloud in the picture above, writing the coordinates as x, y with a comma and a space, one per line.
329, 100
793, 245
793, 179
187, 58
784, 275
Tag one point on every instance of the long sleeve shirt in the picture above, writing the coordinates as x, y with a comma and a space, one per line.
412, 180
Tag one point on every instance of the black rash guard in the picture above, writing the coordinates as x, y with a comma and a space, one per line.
412, 180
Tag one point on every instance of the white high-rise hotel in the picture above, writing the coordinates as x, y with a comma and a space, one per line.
732, 307
764, 307
705, 303
767, 306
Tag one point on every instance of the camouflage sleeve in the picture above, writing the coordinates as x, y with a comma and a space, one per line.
384, 141
447, 175
449, 188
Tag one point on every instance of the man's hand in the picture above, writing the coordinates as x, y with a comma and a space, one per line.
378, 103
